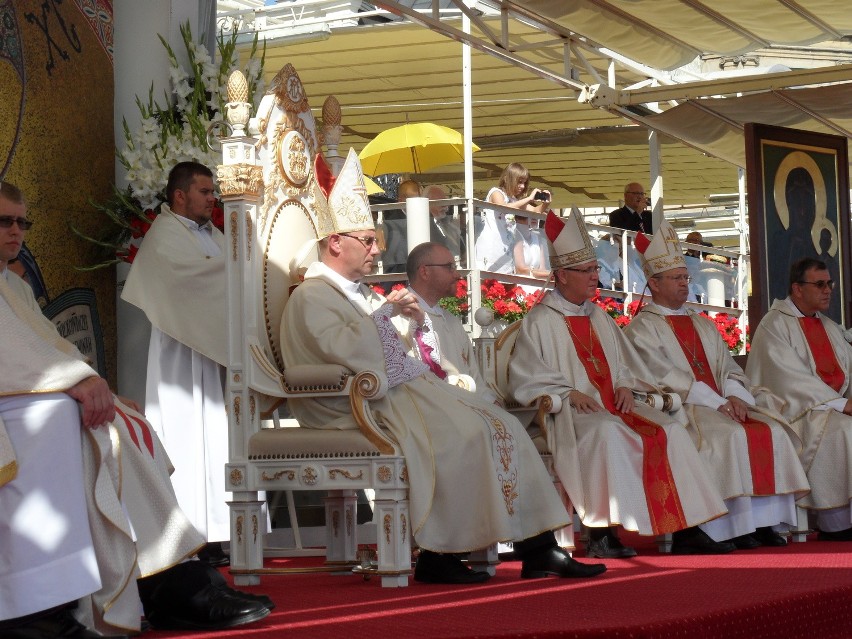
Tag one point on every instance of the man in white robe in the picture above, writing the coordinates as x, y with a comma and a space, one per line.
475, 477
446, 347
737, 429
178, 280
621, 462
85, 500
801, 356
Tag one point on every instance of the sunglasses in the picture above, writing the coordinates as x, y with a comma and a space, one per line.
6, 222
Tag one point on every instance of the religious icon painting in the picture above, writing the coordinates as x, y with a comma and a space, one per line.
798, 206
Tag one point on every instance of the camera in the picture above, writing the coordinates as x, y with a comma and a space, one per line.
541, 196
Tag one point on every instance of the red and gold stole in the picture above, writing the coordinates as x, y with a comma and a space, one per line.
758, 434
828, 369
661, 494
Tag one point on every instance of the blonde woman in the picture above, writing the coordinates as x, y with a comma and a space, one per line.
495, 241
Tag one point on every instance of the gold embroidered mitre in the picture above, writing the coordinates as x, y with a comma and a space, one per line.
341, 203
660, 252
568, 240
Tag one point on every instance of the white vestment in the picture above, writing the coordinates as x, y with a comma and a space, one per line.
721, 441
596, 455
475, 477
453, 349
76, 525
178, 280
781, 360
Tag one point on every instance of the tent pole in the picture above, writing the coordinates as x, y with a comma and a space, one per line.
467, 79
656, 168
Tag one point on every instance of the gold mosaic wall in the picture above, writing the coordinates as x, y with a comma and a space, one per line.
56, 135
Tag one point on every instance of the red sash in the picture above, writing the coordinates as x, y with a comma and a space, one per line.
761, 455
661, 494
828, 369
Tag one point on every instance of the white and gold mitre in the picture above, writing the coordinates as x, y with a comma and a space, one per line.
568, 239
661, 252
341, 203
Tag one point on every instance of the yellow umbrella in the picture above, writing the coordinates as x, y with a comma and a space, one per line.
412, 148
372, 187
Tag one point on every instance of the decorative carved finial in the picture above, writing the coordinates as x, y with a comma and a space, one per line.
238, 106
331, 115
332, 130
237, 87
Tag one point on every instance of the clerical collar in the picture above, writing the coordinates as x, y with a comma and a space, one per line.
434, 310
567, 307
663, 310
192, 225
320, 269
5, 273
795, 309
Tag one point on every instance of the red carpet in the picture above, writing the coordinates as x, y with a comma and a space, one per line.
803, 590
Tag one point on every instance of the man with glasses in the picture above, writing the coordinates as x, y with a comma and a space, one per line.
633, 216
90, 522
178, 280
621, 461
737, 429
475, 477
802, 356
445, 347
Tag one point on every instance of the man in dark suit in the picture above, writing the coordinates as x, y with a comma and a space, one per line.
632, 216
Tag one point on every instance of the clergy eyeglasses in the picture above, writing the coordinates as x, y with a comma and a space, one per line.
450, 266
820, 284
366, 240
675, 278
6, 222
636, 192
585, 271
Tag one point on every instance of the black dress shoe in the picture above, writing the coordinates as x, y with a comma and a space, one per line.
554, 561
608, 547
694, 541
265, 601
837, 535
214, 555
211, 608
59, 624
745, 542
438, 568
768, 537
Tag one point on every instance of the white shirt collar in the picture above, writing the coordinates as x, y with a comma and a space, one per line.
434, 310
796, 312
668, 311
569, 308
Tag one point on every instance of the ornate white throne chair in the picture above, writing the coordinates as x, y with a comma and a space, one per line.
269, 220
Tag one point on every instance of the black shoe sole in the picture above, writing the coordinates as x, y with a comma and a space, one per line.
169, 622
541, 574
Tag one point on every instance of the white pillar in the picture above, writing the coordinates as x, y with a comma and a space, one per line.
140, 62
656, 167
417, 221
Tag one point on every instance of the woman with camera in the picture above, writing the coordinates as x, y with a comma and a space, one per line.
494, 246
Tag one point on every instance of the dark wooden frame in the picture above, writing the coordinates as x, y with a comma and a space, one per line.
765, 147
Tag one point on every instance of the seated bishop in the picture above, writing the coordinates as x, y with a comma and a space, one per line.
91, 527
475, 477
620, 461
746, 445
443, 345
804, 358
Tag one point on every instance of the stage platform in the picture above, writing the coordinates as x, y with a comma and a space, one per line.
803, 590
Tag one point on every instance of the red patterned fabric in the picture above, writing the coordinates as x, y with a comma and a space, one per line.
761, 456
828, 369
661, 494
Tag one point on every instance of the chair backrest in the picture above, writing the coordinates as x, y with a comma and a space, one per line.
286, 219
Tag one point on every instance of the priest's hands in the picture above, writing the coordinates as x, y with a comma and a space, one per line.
96, 401
583, 403
405, 304
624, 401
735, 408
